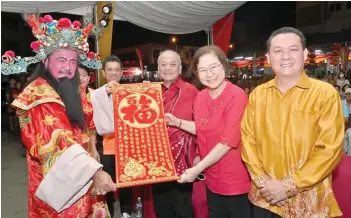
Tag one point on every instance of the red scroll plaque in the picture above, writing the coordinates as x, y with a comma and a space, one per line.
143, 154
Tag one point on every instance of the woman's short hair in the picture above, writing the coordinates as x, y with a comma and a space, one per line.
210, 49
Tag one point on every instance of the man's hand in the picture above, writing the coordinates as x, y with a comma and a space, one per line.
273, 192
95, 155
103, 183
109, 86
189, 175
282, 203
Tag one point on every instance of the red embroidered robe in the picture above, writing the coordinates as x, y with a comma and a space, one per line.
46, 133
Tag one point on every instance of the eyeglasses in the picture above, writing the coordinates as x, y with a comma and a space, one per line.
212, 69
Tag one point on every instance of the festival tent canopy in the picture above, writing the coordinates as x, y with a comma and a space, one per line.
165, 17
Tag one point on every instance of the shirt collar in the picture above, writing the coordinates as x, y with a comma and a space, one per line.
304, 82
176, 83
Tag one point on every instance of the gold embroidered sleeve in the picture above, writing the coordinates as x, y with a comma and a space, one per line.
328, 147
44, 134
290, 186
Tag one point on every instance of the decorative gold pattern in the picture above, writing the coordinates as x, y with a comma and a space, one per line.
36, 93
134, 169
50, 151
289, 186
23, 117
261, 180
136, 87
147, 181
308, 133
49, 120
47, 137
142, 152
159, 171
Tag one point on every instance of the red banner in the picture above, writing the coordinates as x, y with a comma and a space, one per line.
143, 154
345, 51
222, 31
140, 62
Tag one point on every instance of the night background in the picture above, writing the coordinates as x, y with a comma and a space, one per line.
253, 23
259, 19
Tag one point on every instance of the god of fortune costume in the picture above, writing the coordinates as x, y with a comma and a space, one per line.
60, 169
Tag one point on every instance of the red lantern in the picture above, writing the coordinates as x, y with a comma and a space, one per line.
335, 47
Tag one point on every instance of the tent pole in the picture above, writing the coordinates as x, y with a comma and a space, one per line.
105, 40
95, 13
211, 31
209, 36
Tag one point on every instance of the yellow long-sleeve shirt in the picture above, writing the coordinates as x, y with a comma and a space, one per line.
297, 138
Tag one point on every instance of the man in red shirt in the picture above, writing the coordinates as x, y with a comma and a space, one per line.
169, 199
172, 199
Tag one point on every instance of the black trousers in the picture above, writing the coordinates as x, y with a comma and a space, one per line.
172, 200
221, 206
125, 194
258, 212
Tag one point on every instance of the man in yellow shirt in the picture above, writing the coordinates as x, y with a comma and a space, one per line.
292, 135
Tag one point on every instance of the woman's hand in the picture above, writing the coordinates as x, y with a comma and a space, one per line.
172, 120
189, 175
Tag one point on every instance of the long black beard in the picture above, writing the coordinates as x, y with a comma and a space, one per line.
68, 90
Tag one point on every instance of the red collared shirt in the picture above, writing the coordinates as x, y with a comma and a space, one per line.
218, 121
179, 99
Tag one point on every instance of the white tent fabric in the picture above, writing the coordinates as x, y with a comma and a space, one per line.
86, 9
76, 8
175, 17
43, 6
166, 17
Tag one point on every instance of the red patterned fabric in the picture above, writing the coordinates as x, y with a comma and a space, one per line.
179, 99
88, 116
46, 133
143, 154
